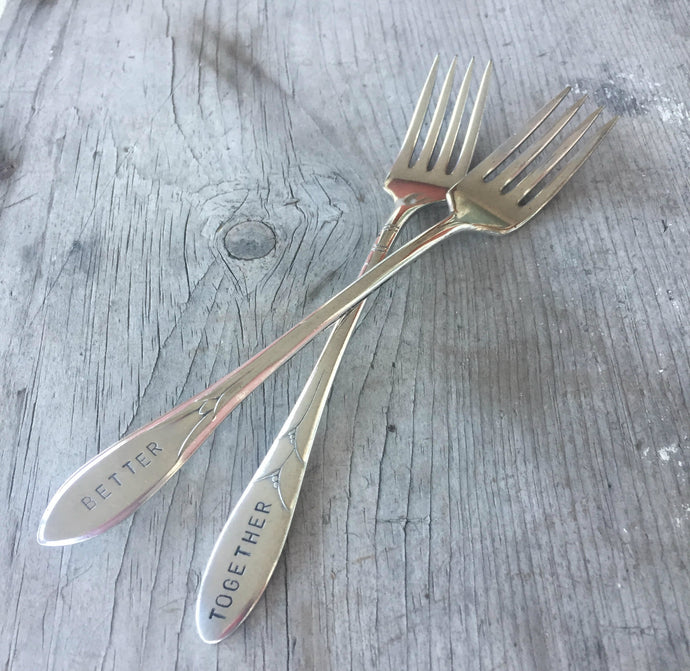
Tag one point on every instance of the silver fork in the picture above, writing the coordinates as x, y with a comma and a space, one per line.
490, 199
114, 483
413, 183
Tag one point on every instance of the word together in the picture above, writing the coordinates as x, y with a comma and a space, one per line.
237, 567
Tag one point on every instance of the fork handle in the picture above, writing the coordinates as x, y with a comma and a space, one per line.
114, 483
254, 535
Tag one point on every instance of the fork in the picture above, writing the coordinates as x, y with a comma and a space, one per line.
114, 483
413, 182
489, 199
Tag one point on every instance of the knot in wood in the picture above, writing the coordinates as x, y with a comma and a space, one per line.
249, 240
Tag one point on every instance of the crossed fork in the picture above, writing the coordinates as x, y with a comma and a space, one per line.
499, 195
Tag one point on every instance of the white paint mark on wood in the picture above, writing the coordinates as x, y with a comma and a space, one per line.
666, 452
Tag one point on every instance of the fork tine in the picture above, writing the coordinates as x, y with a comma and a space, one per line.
412, 135
491, 162
437, 119
510, 173
529, 182
454, 124
470, 141
567, 171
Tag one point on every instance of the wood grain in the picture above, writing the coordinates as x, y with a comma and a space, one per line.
501, 478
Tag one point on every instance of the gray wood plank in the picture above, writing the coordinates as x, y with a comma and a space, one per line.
501, 478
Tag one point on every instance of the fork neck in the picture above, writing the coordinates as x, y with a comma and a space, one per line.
401, 213
415, 193
408, 196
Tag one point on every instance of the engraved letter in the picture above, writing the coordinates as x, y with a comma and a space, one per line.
249, 537
231, 584
234, 568
153, 448
128, 466
240, 551
227, 600
102, 492
143, 459
89, 502
259, 524
262, 507
113, 476
213, 614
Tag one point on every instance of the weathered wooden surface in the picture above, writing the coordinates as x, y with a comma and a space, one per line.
501, 481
